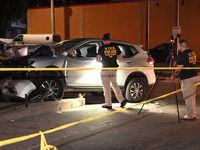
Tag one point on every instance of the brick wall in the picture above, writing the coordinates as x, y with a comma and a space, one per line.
124, 20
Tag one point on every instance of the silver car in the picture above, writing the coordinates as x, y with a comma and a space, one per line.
81, 53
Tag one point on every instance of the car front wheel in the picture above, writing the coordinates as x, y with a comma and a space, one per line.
135, 90
48, 89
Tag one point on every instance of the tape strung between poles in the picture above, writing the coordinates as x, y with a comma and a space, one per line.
119, 68
165, 95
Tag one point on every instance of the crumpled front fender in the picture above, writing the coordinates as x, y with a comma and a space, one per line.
16, 88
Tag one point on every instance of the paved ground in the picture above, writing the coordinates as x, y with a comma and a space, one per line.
156, 128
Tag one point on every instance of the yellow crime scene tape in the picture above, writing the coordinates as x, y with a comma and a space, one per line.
120, 68
43, 143
23, 138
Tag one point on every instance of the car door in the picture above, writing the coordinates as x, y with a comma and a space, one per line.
128, 53
84, 57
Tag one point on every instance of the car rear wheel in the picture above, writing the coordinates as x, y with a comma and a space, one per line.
48, 89
135, 90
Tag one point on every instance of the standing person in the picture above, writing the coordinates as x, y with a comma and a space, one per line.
187, 58
108, 54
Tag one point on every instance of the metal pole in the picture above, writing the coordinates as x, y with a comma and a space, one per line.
147, 44
177, 23
177, 39
147, 25
177, 13
52, 17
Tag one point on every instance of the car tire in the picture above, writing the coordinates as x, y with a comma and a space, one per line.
45, 87
135, 90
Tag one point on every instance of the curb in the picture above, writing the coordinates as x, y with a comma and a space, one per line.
35, 109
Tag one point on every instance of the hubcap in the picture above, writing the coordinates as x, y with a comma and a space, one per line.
50, 86
136, 90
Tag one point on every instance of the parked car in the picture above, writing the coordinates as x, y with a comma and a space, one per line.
81, 53
161, 52
23, 40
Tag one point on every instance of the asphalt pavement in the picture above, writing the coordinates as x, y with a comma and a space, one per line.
156, 127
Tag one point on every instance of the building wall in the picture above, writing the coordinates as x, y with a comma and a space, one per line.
89, 21
124, 20
190, 24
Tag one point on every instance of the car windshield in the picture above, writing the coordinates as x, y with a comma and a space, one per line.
65, 45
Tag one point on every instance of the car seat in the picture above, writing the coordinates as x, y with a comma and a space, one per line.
91, 52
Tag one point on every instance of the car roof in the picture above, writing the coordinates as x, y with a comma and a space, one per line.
95, 39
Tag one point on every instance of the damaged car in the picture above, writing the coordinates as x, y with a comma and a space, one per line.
22, 84
74, 69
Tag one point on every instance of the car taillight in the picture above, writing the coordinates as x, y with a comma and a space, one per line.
150, 60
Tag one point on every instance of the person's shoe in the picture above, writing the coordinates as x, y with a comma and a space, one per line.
108, 107
123, 103
188, 118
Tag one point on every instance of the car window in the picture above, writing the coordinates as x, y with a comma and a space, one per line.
133, 50
86, 50
162, 47
19, 38
65, 46
127, 51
